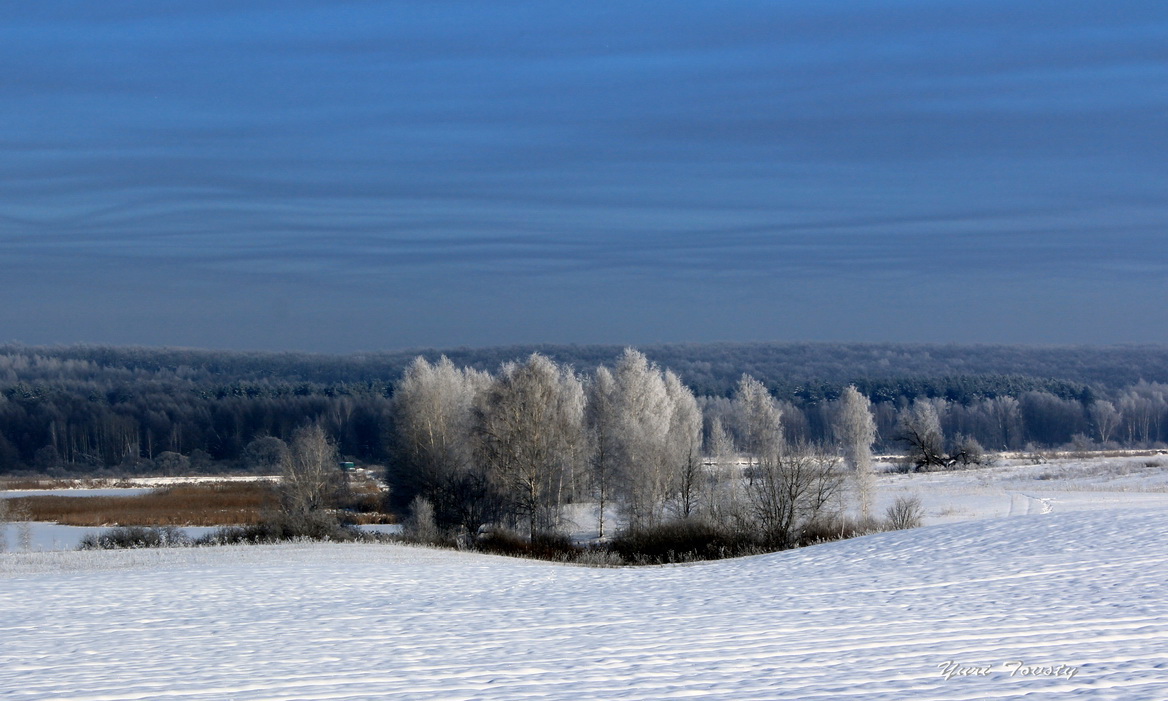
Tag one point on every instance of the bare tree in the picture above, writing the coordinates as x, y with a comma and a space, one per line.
310, 482
793, 489
856, 432
920, 430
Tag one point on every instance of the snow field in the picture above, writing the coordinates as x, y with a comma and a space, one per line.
886, 616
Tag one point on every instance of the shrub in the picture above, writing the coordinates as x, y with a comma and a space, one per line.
598, 557
542, 545
129, 537
839, 528
684, 541
277, 529
906, 512
420, 526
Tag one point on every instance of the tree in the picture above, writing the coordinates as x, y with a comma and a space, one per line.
920, 430
1006, 419
601, 422
856, 431
530, 422
264, 455
792, 490
1105, 419
722, 495
3, 525
758, 419
433, 410
642, 413
684, 440
310, 483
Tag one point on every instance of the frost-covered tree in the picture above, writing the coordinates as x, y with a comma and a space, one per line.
758, 419
722, 503
684, 440
856, 431
3, 525
530, 424
719, 443
643, 412
603, 441
433, 410
1006, 419
1105, 418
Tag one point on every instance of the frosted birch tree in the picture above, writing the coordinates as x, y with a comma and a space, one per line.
1105, 418
684, 442
603, 442
530, 424
758, 419
642, 410
856, 431
433, 409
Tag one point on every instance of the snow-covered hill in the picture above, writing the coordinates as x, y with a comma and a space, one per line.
1045, 606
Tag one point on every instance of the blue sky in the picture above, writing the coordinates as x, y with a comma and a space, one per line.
341, 176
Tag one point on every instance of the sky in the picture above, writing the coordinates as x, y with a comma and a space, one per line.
340, 176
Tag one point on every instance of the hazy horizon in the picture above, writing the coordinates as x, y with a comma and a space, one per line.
357, 176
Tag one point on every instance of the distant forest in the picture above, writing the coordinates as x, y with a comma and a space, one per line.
86, 410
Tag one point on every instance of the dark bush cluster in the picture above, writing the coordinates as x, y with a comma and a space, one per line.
686, 541
133, 537
542, 546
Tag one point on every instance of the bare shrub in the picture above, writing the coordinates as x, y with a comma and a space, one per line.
1035, 455
839, 528
968, 452
905, 512
598, 557
1081, 446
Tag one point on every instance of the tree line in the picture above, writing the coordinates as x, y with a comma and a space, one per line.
85, 410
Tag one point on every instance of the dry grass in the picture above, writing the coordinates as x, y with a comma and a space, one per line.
226, 503
29, 484
208, 504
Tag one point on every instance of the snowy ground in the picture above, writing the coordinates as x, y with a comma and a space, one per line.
1015, 488
1066, 601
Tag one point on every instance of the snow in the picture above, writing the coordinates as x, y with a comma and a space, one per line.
1017, 488
1049, 603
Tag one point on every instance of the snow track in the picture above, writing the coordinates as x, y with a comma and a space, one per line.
870, 618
